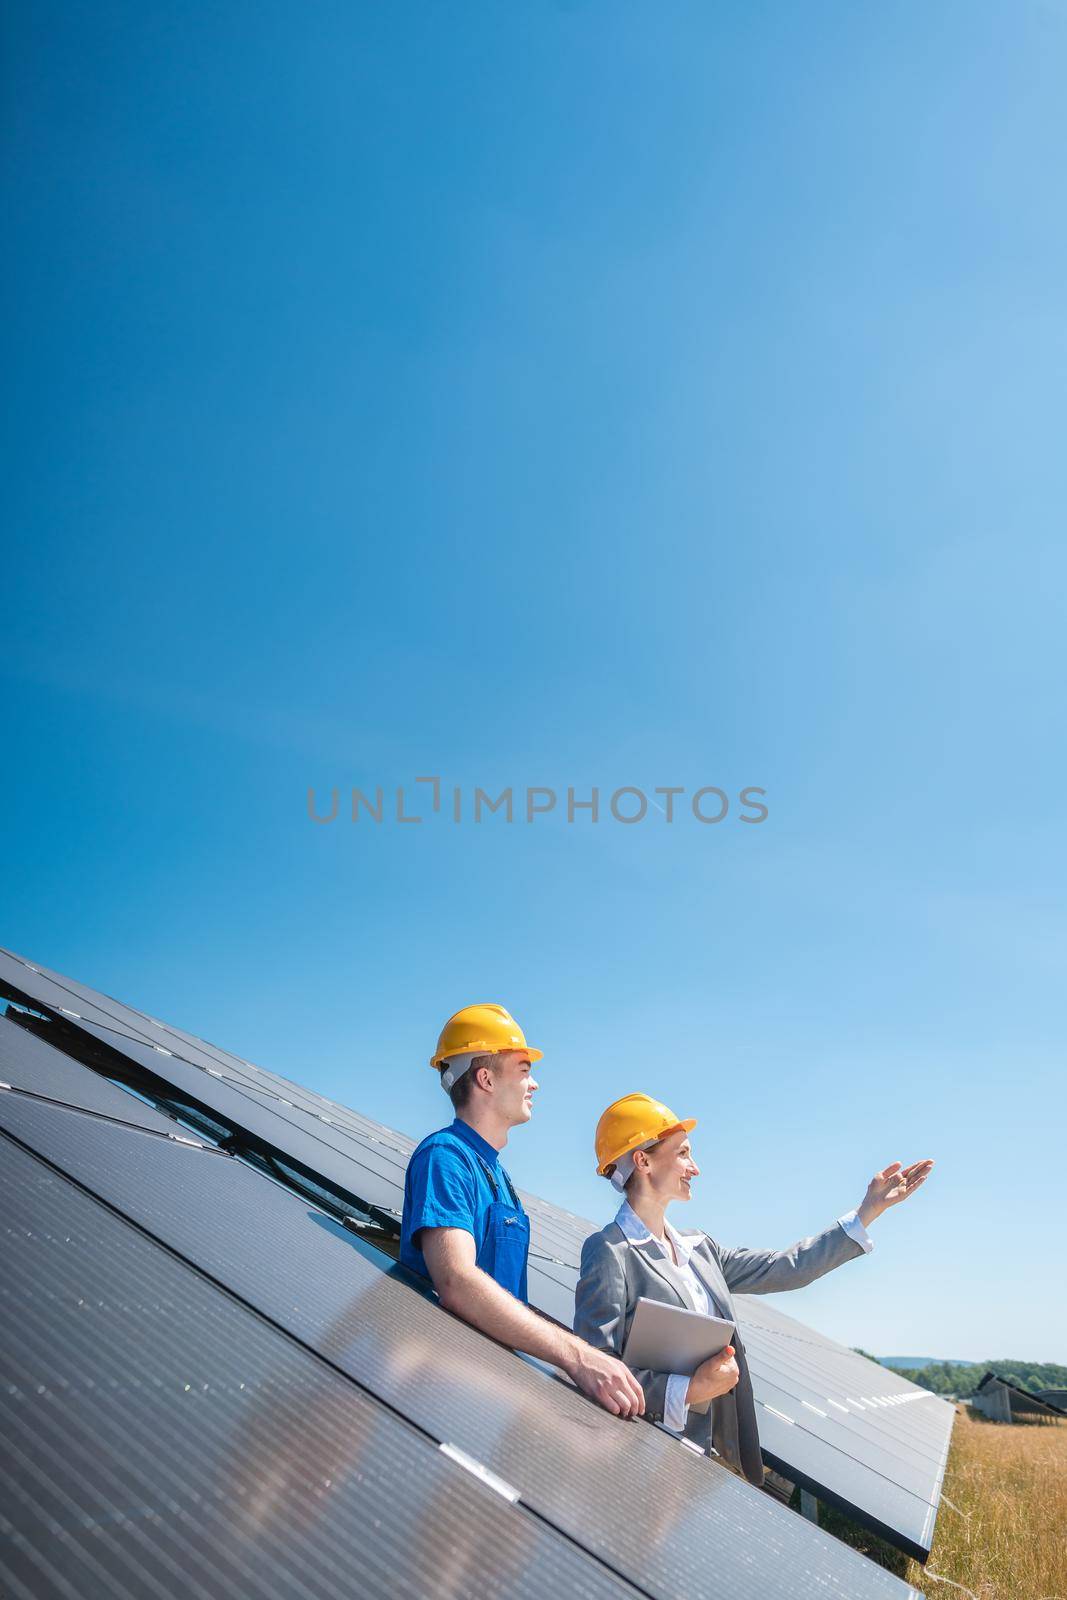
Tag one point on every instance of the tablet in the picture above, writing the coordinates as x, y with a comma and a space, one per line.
668, 1338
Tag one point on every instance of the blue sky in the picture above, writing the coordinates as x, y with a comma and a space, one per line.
567, 395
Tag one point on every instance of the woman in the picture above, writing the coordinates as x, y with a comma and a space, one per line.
644, 1149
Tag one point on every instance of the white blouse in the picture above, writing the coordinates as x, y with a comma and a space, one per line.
675, 1410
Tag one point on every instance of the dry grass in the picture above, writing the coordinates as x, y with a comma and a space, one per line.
1008, 1538
1002, 1529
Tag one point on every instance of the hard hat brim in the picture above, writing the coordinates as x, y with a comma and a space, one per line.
686, 1126
437, 1062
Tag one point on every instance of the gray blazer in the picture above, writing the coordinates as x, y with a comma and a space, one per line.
617, 1272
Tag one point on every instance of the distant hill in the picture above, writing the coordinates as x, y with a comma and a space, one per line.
903, 1363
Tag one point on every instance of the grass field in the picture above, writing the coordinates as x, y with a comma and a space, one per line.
1002, 1529
1008, 1538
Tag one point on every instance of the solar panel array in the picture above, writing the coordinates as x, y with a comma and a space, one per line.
878, 1455
1002, 1400
213, 1389
159, 1438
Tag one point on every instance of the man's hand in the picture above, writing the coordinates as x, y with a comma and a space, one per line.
717, 1375
605, 1379
468, 1292
890, 1186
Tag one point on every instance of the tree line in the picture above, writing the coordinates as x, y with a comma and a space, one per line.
961, 1378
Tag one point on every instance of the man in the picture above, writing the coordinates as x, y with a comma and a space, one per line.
645, 1151
464, 1227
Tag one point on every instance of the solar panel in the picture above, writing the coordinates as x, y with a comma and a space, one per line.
880, 1459
1001, 1400
30, 1064
121, 1022
264, 1110
159, 1439
589, 1476
854, 1433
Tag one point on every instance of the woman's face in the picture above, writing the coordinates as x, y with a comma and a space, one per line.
670, 1167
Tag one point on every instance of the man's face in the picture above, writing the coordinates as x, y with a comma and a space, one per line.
514, 1087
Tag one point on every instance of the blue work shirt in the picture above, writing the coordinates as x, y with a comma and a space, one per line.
455, 1180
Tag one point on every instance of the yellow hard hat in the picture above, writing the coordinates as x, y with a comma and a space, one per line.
628, 1123
480, 1030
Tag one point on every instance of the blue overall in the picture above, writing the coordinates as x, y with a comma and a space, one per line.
455, 1180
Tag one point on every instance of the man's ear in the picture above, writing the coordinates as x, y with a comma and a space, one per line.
487, 1082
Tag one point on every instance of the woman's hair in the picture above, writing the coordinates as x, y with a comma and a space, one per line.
610, 1173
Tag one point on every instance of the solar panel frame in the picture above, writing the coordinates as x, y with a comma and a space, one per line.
583, 1472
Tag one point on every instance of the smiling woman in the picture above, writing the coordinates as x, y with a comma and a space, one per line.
645, 1150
